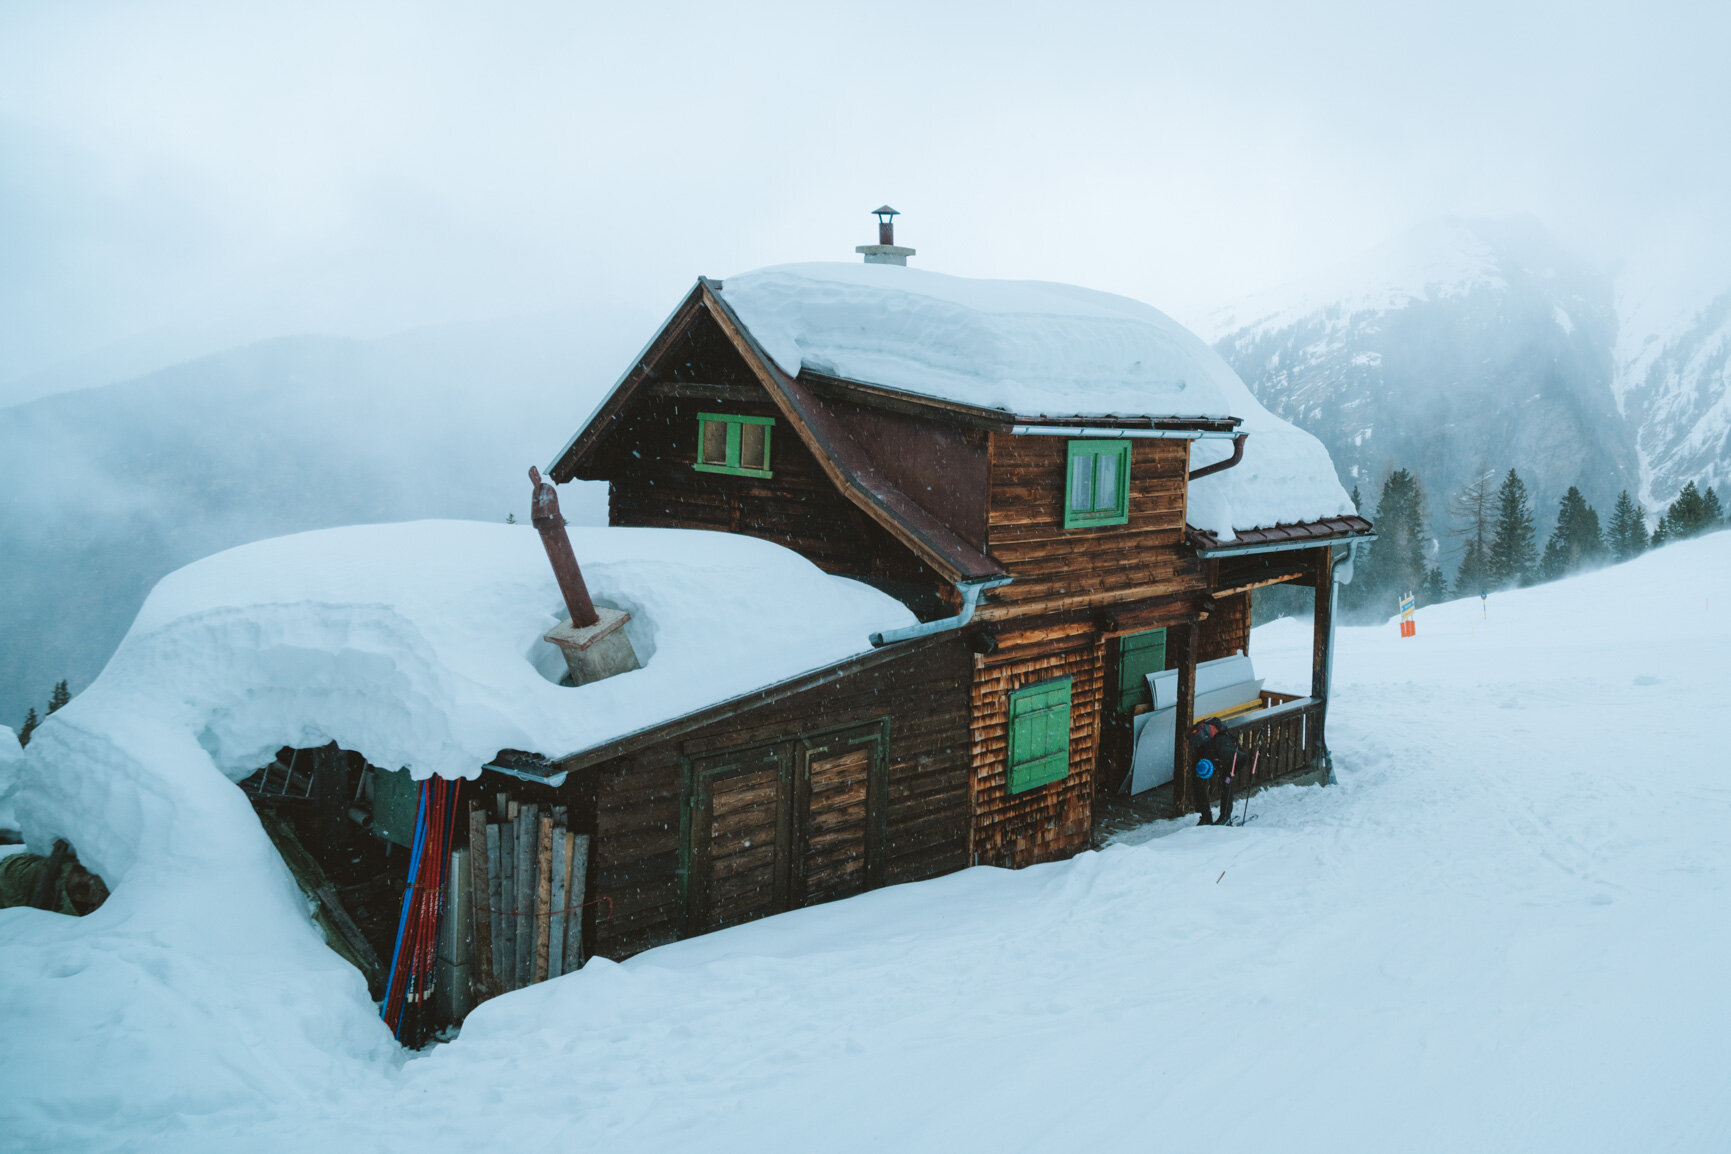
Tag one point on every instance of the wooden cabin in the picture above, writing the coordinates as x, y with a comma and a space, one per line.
1048, 554
1070, 495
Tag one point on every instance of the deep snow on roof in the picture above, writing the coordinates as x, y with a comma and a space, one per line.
1034, 348
419, 644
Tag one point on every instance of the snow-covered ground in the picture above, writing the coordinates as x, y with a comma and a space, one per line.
1505, 929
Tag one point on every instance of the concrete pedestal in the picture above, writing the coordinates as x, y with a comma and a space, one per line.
596, 651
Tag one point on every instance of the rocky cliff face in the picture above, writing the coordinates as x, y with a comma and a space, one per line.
1675, 389
1464, 346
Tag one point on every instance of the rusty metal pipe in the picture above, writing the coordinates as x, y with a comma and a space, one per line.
544, 515
1222, 466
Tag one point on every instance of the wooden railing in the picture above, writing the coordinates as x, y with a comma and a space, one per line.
1284, 735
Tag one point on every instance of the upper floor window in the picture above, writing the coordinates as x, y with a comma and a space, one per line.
1097, 489
729, 443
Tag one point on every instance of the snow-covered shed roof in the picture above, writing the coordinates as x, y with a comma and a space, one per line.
1037, 349
419, 644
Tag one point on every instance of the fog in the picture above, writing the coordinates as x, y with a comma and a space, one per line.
380, 258
180, 177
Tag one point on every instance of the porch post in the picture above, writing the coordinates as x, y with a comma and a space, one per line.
1321, 643
1181, 644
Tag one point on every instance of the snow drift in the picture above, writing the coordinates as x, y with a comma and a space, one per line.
1499, 904
416, 645
1034, 348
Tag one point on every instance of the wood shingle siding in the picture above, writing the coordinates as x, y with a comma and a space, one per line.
1051, 821
1053, 565
1227, 630
642, 797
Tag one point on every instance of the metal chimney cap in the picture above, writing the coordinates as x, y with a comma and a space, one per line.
884, 211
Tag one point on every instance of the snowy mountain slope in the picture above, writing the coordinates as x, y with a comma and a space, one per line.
1500, 931
103, 491
1462, 346
1676, 391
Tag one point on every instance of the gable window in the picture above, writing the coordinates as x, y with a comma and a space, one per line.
729, 443
1097, 488
1039, 735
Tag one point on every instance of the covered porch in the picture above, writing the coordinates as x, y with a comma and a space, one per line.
1282, 731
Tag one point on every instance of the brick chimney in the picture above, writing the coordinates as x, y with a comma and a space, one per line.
886, 250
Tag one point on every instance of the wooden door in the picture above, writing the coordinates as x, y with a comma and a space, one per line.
840, 807
739, 837
790, 824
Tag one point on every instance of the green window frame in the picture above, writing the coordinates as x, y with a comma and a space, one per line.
1139, 654
734, 444
1097, 483
1039, 724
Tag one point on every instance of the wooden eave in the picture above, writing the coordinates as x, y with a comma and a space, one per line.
534, 766
847, 465
1275, 538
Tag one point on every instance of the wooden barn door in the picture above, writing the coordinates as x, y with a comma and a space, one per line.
739, 837
840, 805
790, 824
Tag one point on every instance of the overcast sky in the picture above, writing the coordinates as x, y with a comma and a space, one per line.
220, 170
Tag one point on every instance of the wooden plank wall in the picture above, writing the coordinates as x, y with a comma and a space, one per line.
1227, 629
1025, 525
1052, 821
640, 797
652, 483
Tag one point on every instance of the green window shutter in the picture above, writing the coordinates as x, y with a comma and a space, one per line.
733, 444
1139, 654
1096, 483
1039, 722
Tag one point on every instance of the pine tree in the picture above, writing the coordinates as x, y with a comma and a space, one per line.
1627, 537
1688, 514
1395, 564
1470, 507
1357, 502
1472, 578
1435, 588
59, 697
30, 724
1712, 516
1576, 541
1513, 548
1662, 532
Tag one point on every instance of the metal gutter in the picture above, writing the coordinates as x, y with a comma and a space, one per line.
971, 592
1280, 546
554, 779
1104, 432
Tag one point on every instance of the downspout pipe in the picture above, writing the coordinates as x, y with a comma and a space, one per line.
971, 592
1342, 575
1222, 466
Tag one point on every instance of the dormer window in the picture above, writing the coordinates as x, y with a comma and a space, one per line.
730, 443
1097, 488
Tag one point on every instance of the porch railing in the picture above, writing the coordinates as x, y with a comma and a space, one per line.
1286, 735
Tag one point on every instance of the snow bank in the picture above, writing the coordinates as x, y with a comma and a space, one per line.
11, 754
1497, 905
202, 978
1034, 348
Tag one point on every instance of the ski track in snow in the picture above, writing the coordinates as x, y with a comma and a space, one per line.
1503, 929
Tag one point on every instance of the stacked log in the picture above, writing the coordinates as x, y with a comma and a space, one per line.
531, 867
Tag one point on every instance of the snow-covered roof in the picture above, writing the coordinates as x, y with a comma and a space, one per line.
1034, 348
419, 644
